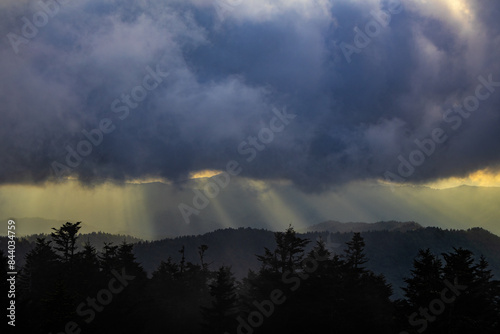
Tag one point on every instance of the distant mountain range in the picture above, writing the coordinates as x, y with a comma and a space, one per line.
335, 226
151, 211
390, 246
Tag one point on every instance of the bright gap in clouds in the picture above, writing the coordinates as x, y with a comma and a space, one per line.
480, 178
204, 173
459, 8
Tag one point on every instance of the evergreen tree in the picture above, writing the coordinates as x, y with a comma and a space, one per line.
220, 317
459, 266
109, 258
288, 253
127, 311
88, 270
486, 292
164, 292
316, 296
89, 259
58, 307
363, 298
458, 297
474, 307
167, 272
426, 282
40, 271
65, 240
423, 286
127, 260
201, 252
176, 293
39, 278
277, 267
354, 255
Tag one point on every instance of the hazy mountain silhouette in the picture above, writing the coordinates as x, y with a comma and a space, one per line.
335, 226
390, 246
269, 206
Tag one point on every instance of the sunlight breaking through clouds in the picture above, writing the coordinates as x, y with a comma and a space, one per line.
480, 178
226, 74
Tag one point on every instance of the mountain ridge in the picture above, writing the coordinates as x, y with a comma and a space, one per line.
389, 252
336, 226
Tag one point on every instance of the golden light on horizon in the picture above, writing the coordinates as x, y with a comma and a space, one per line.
480, 178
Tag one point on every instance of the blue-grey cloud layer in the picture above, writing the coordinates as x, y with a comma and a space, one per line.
227, 70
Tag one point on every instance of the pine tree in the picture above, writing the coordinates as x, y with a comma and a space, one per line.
167, 272
316, 298
109, 258
128, 261
39, 278
426, 282
125, 311
486, 292
40, 270
288, 254
364, 297
89, 259
178, 291
354, 254
201, 252
65, 240
459, 266
474, 309
88, 270
220, 316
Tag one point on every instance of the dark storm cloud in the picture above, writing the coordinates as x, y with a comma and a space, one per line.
227, 72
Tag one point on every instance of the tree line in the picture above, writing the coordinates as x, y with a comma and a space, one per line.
63, 288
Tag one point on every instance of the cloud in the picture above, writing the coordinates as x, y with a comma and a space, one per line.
227, 72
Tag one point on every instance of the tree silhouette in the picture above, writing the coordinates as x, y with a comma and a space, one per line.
40, 276
220, 316
88, 271
287, 255
109, 258
317, 289
457, 297
474, 308
126, 259
177, 293
364, 297
425, 282
486, 292
40, 271
354, 254
201, 252
65, 240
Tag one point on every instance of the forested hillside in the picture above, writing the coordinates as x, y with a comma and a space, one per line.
389, 252
301, 284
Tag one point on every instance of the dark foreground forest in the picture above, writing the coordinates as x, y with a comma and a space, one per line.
66, 289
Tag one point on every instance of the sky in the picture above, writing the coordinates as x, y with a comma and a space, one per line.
99, 97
